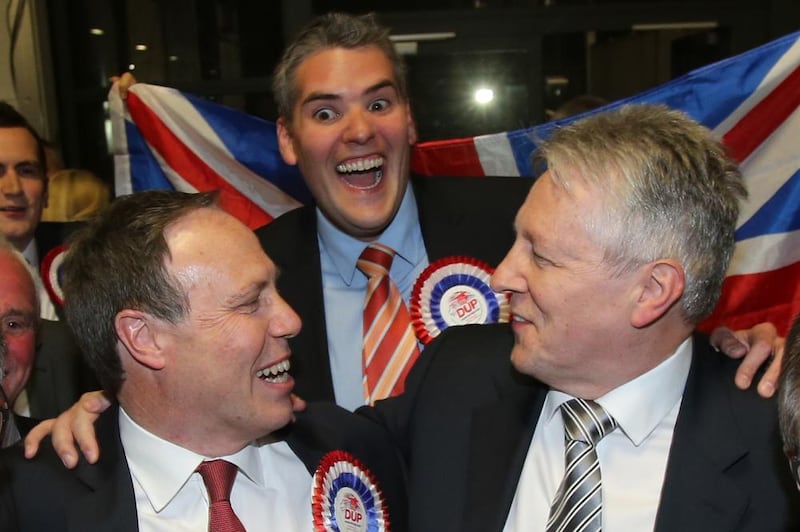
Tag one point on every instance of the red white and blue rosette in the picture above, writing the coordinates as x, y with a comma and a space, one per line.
50, 270
455, 291
345, 496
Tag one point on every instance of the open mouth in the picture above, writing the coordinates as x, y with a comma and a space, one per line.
277, 373
363, 174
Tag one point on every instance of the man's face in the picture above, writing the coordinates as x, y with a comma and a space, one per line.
350, 134
23, 185
568, 309
228, 359
19, 316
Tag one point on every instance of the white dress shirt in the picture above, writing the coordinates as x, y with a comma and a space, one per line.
272, 490
633, 458
344, 289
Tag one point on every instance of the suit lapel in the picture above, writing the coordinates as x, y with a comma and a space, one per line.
495, 462
111, 503
697, 493
291, 242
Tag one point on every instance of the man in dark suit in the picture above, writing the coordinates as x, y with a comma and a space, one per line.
621, 248
175, 305
59, 376
346, 122
19, 325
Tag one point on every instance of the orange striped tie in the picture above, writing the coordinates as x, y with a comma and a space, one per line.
390, 346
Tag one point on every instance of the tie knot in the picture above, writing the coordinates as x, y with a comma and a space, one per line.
586, 421
218, 476
376, 259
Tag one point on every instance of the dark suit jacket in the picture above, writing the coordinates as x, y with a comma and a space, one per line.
467, 419
42, 496
60, 375
458, 216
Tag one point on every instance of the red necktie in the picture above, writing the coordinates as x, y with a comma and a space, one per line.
390, 346
218, 476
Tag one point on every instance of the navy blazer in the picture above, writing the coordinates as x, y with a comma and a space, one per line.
467, 419
457, 215
41, 495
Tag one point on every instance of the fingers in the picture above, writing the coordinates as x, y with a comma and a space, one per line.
124, 83
758, 354
35, 437
725, 340
769, 381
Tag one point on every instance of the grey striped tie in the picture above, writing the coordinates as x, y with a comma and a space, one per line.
578, 501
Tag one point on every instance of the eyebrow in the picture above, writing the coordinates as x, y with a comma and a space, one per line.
326, 96
247, 292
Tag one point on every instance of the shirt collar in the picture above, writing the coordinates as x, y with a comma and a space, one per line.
162, 468
344, 249
639, 405
30, 253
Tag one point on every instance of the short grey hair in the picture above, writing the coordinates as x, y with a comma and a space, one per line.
669, 191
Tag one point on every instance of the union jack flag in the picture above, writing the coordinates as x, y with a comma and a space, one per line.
166, 139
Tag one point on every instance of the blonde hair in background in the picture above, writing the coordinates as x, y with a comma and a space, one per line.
75, 195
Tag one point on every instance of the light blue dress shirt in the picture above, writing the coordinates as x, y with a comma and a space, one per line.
344, 288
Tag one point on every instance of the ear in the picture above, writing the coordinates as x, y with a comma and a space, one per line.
662, 284
285, 143
412, 126
138, 332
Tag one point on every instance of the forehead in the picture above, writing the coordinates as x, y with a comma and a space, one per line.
17, 144
16, 287
336, 70
210, 241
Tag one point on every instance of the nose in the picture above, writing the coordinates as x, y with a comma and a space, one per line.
359, 127
506, 277
10, 183
285, 323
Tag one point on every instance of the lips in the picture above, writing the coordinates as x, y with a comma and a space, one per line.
277, 373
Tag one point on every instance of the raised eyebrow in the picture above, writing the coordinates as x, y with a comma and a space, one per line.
381, 85
329, 96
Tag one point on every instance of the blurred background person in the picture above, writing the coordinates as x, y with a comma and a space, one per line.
75, 195
19, 312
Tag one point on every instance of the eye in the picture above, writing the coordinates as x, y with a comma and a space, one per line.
28, 170
17, 325
324, 115
379, 105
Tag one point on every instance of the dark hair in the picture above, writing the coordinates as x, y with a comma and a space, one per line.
332, 30
117, 262
10, 117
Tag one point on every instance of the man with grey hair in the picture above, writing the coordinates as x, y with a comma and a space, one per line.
611, 413
19, 312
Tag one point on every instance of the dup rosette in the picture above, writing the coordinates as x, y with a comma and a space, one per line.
455, 291
346, 497
51, 273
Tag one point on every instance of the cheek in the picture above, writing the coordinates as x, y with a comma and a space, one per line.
34, 191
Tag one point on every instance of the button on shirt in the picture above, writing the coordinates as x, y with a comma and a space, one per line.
344, 289
633, 458
272, 490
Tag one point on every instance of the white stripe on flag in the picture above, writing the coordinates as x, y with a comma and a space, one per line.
119, 143
765, 253
779, 71
770, 166
495, 155
188, 125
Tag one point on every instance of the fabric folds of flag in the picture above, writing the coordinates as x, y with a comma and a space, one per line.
166, 139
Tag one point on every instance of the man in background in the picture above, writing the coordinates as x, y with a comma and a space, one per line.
19, 312
59, 376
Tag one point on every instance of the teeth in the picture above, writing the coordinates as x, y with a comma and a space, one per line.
362, 165
516, 318
275, 373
